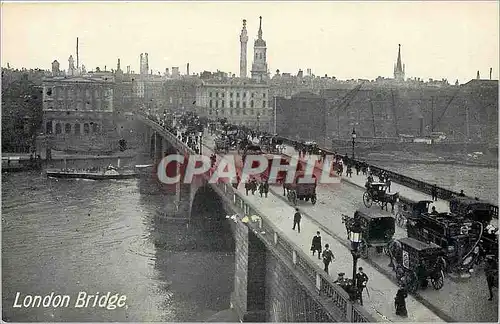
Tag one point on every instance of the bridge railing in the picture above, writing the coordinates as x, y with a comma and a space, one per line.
336, 298
406, 181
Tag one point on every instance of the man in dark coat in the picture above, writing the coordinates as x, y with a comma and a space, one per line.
361, 280
296, 219
316, 244
264, 188
461, 194
434, 193
400, 303
327, 257
491, 271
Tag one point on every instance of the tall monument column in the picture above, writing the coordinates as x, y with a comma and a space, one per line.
243, 53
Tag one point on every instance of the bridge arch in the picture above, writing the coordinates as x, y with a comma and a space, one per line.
208, 216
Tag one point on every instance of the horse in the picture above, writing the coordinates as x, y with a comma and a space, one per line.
390, 198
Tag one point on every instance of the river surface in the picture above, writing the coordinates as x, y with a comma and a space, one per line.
475, 181
69, 236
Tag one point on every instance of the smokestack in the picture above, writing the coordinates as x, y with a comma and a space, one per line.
188, 70
77, 57
491, 71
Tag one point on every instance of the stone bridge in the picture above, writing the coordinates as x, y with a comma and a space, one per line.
274, 279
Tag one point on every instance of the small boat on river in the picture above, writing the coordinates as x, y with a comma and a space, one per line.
107, 174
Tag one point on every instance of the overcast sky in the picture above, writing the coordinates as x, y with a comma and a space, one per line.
344, 39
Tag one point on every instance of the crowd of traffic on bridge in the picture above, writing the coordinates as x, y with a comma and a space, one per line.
438, 242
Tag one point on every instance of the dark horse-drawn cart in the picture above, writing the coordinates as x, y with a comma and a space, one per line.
300, 191
377, 229
415, 262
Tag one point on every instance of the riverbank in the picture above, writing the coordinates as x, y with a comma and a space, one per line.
473, 160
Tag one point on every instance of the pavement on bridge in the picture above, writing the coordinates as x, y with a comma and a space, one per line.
461, 301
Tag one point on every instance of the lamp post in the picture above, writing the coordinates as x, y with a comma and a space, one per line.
258, 122
353, 140
355, 236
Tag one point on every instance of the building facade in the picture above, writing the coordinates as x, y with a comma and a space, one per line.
240, 102
303, 116
78, 113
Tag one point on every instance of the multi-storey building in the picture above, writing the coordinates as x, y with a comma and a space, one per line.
78, 112
239, 100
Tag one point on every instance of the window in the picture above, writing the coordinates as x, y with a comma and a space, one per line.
222, 95
216, 103
237, 112
48, 127
264, 95
251, 103
210, 94
230, 95
58, 128
244, 94
210, 104
244, 111
67, 128
253, 94
231, 104
86, 128
77, 129
264, 104
237, 94
95, 128
222, 103
210, 112
237, 104
231, 112
216, 95
244, 104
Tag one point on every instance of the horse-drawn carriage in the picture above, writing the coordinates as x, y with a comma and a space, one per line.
411, 209
377, 229
376, 192
221, 145
415, 262
300, 191
457, 236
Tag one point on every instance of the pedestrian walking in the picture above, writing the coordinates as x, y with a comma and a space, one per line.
388, 184
461, 194
400, 303
434, 193
491, 271
316, 244
357, 168
327, 257
361, 281
296, 219
264, 188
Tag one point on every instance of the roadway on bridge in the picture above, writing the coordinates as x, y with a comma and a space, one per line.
457, 300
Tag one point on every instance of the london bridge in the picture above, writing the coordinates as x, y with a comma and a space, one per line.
127, 247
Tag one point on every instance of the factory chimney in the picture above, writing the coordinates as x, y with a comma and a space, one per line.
491, 71
187, 69
77, 57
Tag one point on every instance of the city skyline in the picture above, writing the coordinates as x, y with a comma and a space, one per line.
346, 40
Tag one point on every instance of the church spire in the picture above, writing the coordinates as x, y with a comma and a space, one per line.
260, 28
399, 67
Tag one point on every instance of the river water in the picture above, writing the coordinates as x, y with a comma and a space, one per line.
475, 181
71, 236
